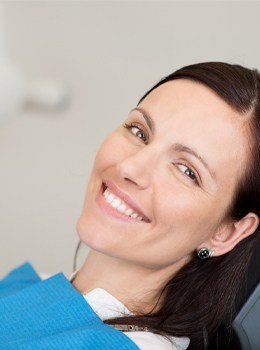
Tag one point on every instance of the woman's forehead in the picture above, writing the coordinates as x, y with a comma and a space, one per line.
184, 95
180, 102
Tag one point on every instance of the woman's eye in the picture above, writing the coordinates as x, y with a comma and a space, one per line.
140, 133
190, 173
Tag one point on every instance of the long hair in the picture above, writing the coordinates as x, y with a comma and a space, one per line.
204, 294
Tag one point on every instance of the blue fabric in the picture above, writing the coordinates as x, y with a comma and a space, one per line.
51, 314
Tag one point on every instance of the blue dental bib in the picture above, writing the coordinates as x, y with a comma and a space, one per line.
51, 314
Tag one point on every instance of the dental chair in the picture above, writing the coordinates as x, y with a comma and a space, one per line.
246, 325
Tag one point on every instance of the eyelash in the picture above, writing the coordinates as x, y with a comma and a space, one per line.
132, 125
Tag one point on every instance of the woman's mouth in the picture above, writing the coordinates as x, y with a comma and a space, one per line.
117, 207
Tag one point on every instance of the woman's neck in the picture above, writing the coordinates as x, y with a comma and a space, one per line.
138, 288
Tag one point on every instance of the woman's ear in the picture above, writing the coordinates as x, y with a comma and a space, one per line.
230, 234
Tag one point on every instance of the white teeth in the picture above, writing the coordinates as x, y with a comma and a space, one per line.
129, 211
122, 208
120, 205
115, 203
110, 197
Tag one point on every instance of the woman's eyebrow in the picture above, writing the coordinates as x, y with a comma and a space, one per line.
146, 116
176, 146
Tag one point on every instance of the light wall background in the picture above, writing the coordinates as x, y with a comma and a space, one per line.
108, 53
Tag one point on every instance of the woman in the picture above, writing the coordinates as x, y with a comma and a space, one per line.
186, 162
171, 211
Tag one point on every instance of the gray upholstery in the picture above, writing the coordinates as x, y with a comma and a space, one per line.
247, 322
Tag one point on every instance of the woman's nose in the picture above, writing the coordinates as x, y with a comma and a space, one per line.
138, 167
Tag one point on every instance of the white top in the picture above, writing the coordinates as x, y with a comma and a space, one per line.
106, 305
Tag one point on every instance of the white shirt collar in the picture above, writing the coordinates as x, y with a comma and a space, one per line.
106, 305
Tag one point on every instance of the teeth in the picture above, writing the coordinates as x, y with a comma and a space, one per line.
121, 208
129, 212
110, 198
120, 205
115, 203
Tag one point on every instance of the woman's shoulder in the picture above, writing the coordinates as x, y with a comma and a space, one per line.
152, 341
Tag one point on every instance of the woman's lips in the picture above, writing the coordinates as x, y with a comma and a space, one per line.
108, 209
126, 198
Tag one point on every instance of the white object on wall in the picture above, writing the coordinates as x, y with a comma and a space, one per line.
46, 93
16, 91
12, 90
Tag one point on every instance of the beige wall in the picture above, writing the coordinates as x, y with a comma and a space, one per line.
109, 53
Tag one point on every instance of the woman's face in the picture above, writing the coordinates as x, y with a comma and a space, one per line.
183, 198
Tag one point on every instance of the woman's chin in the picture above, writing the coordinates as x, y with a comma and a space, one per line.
94, 235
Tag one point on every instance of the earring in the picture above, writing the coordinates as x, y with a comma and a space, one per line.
205, 253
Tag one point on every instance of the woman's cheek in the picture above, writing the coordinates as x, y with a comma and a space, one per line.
113, 150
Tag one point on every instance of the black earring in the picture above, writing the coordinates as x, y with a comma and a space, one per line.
205, 253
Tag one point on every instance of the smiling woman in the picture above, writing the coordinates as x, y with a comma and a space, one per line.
171, 212
171, 217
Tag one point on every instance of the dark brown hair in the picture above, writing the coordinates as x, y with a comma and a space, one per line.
203, 294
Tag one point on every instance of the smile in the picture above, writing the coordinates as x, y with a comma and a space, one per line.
120, 205
116, 207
